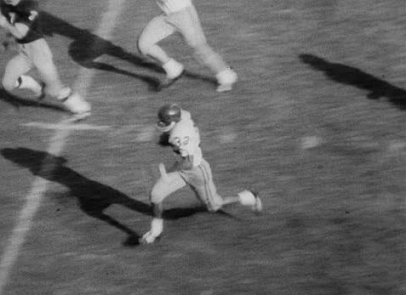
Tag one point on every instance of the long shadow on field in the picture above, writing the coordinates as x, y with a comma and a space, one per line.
18, 102
340, 73
93, 196
87, 47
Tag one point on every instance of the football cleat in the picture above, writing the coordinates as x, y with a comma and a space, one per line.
169, 81
79, 117
258, 203
79, 107
251, 199
226, 79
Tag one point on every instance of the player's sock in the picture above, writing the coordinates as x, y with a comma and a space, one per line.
173, 68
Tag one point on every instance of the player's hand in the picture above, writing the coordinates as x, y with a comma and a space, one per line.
148, 238
157, 226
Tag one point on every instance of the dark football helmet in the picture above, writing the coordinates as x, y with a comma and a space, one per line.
168, 116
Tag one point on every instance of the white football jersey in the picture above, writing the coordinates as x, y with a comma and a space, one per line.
185, 115
185, 140
170, 6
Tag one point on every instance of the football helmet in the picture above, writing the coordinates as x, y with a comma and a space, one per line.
168, 116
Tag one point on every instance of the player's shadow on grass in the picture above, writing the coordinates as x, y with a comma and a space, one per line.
87, 47
377, 88
93, 197
18, 102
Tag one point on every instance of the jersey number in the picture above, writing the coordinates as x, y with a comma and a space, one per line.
179, 143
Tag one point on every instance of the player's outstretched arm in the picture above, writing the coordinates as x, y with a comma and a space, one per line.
157, 224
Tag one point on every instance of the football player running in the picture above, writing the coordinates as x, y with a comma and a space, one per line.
191, 169
181, 16
20, 18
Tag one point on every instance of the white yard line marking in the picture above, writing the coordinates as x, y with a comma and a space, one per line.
57, 143
75, 126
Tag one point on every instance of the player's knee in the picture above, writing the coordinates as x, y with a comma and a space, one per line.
143, 46
8, 84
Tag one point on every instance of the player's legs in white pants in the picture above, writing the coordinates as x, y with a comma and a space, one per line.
156, 30
14, 75
188, 24
42, 59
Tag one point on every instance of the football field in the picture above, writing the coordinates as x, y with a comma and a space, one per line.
316, 123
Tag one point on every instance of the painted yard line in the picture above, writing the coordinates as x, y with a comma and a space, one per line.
57, 142
75, 126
